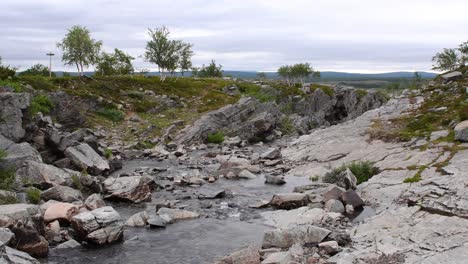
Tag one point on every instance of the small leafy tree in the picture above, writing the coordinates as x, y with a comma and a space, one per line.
299, 72
261, 75
186, 54
463, 48
210, 71
6, 71
286, 73
114, 63
79, 48
447, 60
38, 70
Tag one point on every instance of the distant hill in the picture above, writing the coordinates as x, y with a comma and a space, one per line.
325, 75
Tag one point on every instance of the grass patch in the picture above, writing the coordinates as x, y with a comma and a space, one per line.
363, 170
40, 103
7, 176
76, 181
8, 200
216, 138
17, 87
38, 82
34, 195
107, 153
415, 178
111, 114
326, 89
361, 93
254, 90
286, 126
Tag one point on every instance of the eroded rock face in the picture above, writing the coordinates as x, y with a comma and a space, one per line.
133, 189
247, 119
100, 226
12, 106
85, 158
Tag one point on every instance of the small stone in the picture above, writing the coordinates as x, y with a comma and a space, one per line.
329, 247
334, 206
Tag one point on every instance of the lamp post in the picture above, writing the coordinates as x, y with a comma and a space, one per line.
50, 54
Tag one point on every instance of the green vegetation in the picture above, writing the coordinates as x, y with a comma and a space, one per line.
363, 170
286, 126
415, 178
167, 53
107, 153
79, 49
254, 90
8, 199
142, 145
7, 176
34, 195
40, 103
76, 181
38, 82
326, 89
12, 84
451, 59
361, 94
116, 63
37, 70
299, 72
216, 138
210, 71
6, 71
111, 114
314, 178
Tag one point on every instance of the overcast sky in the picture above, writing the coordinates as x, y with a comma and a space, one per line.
345, 35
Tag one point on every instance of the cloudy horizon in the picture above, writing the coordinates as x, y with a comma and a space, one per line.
353, 36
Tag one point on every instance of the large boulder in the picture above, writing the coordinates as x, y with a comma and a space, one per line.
289, 200
86, 159
60, 211
100, 226
248, 255
62, 193
10, 255
133, 189
248, 118
26, 222
44, 175
461, 131
173, 215
12, 106
94, 201
286, 237
17, 153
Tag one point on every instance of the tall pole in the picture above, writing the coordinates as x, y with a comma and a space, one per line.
50, 54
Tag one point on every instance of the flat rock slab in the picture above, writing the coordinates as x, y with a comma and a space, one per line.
85, 158
289, 200
285, 238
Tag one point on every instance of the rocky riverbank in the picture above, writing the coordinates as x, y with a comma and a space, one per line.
278, 199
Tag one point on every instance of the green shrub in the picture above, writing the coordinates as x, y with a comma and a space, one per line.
326, 89
111, 114
216, 138
7, 176
142, 145
8, 200
6, 71
76, 181
361, 93
107, 153
314, 178
34, 195
40, 103
38, 82
286, 126
363, 170
415, 178
334, 176
17, 87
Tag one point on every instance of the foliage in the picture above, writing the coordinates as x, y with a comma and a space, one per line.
37, 70
7, 176
326, 89
299, 72
167, 53
255, 91
286, 126
38, 82
415, 178
112, 114
40, 103
361, 93
6, 71
314, 178
15, 85
216, 138
76, 181
334, 175
261, 75
34, 195
210, 71
451, 59
79, 48
108, 153
117, 63
8, 199
363, 170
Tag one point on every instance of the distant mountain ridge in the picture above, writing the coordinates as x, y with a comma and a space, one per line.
325, 75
